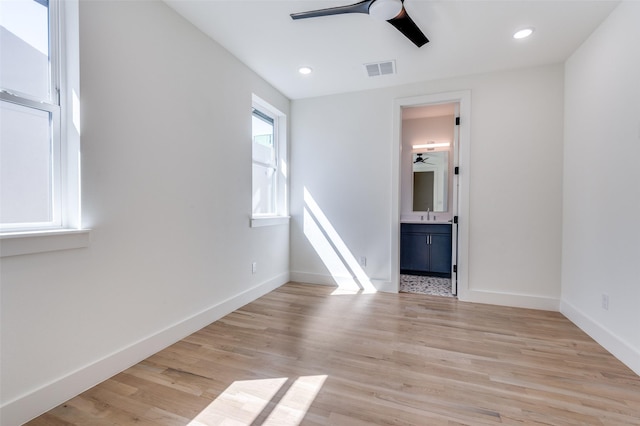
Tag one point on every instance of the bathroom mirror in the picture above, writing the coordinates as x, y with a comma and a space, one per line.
430, 181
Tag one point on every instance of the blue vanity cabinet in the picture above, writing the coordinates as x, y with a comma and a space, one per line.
414, 251
425, 249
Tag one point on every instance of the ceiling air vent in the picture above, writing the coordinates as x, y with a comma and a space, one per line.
380, 68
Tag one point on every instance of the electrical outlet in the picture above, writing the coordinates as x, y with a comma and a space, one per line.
605, 302
254, 267
363, 261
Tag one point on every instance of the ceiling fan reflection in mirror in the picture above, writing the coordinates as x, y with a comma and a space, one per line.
392, 11
421, 160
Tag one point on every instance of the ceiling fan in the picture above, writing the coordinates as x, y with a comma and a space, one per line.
420, 159
392, 11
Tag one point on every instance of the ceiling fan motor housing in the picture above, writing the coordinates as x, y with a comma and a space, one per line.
385, 9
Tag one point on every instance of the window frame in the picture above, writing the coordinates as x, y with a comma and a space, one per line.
270, 164
280, 215
56, 166
65, 230
52, 105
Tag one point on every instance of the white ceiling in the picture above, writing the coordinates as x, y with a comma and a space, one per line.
466, 37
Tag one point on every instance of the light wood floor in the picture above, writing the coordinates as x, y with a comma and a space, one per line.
300, 355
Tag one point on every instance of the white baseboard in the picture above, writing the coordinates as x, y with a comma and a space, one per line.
627, 354
385, 286
336, 281
510, 299
28, 406
310, 278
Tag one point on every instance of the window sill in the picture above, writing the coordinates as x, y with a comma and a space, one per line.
257, 221
19, 243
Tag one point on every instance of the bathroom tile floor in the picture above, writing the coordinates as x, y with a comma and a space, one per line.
425, 285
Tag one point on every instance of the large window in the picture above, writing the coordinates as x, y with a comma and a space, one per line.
34, 143
269, 179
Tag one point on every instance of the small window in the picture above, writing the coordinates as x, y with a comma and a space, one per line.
269, 178
265, 165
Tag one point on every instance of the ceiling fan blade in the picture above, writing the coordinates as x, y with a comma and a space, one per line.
406, 26
360, 7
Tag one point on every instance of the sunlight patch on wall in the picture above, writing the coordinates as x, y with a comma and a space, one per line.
257, 195
75, 110
334, 253
328, 255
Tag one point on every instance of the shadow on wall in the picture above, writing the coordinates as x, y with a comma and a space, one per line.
334, 253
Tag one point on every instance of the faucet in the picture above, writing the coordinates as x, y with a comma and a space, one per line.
427, 213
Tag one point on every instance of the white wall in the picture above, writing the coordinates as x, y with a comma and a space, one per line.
341, 152
601, 234
166, 150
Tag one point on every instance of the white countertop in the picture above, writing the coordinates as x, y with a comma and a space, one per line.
427, 222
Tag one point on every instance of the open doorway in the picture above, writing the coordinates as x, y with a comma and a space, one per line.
430, 239
429, 139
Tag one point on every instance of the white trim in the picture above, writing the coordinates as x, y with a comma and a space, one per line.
384, 286
70, 109
258, 222
320, 279
28, 406
474, 296
19, 243
513, 299
626, 353
462, 97
335, 281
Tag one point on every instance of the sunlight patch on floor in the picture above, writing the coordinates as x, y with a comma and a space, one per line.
281, 400
293, 406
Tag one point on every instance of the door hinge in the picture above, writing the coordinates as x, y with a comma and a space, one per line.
457, 121
455, 268
456, 170
455, 219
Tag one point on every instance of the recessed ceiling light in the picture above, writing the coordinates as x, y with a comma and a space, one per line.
304, 70
523, 33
